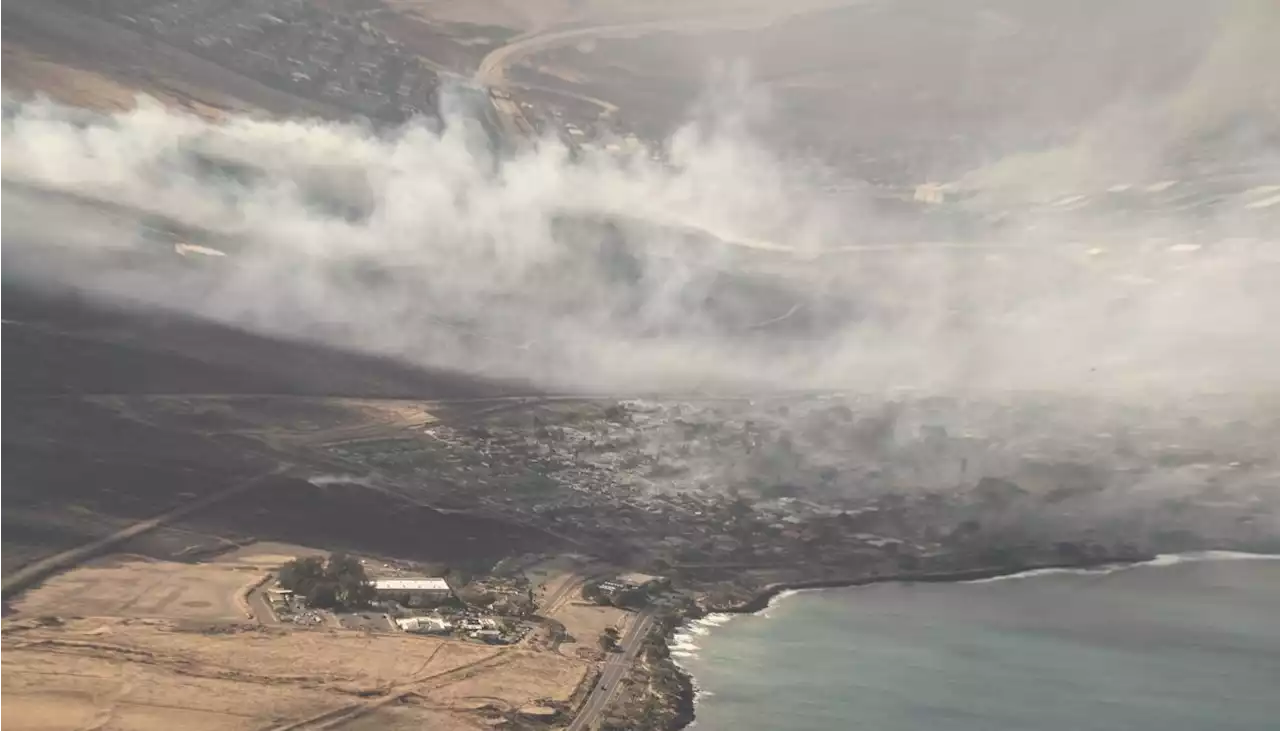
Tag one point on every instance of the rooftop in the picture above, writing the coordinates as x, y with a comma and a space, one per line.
410, 585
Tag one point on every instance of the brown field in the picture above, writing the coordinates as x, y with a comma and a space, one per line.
585, 622
526, 676
307, 419
414, 714
133, 643
146, 674
134, 586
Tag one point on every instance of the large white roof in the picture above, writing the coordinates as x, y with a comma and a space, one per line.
410, 585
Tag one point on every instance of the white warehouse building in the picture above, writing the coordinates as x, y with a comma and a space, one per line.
412, 589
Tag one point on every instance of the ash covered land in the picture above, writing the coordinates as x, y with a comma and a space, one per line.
567, 322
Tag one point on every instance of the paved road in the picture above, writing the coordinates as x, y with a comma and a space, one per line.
24, 577
258, 605
493, 67
615, 667
492, 72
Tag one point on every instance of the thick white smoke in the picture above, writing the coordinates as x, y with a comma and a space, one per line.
718, 267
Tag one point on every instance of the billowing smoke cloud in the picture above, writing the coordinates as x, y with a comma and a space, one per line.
716, 265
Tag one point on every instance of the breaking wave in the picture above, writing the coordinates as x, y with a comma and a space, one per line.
1165, 559
683, 644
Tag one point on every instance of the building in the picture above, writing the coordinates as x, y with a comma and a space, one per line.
491, 636
424, 625
412, 591
633, 583
930, 193
644, 582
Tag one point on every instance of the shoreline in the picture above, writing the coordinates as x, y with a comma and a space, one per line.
762, 599
686, 699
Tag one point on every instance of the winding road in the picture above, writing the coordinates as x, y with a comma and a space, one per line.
492, 71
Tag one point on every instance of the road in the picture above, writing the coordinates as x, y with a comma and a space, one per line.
257, 602
493, 67
552, 602
492, 72
615, 667
36, 571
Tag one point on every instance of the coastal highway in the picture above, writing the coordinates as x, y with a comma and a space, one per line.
615, 667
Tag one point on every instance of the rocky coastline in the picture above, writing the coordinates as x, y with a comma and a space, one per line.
682, 700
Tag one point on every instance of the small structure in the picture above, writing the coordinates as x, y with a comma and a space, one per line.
279, 595
932, 193
643, 581
479, 623
424, 625
412, 590
632, 584
491, 636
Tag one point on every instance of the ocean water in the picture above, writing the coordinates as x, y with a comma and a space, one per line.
1185, 643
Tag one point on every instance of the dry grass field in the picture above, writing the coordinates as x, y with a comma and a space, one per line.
585, 622
133, 586
132, 643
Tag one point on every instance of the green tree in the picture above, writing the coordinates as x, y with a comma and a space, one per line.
302, 574
340, 581
323, 595
351, 584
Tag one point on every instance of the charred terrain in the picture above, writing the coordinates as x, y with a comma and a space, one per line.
490, 313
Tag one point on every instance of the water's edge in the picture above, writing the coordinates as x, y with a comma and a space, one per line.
686, 699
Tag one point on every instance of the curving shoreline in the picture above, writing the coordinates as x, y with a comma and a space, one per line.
685, 701
764, 597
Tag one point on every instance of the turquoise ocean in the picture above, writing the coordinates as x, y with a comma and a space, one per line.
1183, 643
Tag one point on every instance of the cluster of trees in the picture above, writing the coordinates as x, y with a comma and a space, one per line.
339, 581
609, 639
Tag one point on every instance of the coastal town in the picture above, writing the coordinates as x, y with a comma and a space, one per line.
349, 61
640, 515
211, 528
298, 47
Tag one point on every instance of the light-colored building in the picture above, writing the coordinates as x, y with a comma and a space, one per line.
429, 625
491, 636
412, 589
277, 595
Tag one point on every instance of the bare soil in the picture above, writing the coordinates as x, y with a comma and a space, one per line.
141, 644
585, 622
134, 586
144, 675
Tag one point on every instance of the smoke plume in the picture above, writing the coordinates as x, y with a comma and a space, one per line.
713, 265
